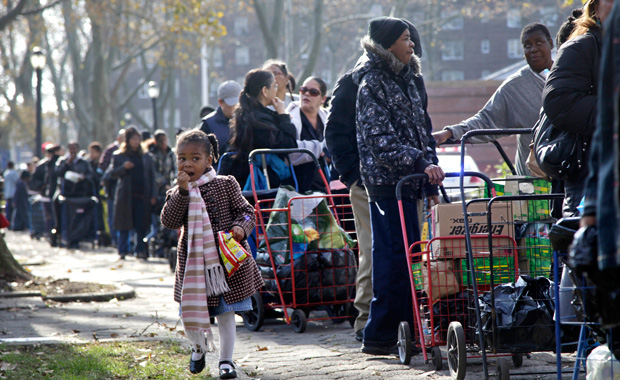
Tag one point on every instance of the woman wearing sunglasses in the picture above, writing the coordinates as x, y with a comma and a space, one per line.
309, 116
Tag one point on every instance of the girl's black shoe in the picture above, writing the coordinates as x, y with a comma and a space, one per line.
196, 366
227, 373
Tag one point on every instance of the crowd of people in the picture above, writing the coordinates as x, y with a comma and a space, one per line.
375, 131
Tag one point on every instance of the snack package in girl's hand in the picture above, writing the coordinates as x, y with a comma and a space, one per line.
233, 254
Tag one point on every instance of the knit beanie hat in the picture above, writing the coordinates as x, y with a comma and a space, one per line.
386, 30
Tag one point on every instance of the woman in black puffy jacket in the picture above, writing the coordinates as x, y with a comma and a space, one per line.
570, 94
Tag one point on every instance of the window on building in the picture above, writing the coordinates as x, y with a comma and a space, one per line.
452, 51
485, 46
242, 56
376, 10
451, 20
515, 49
146, 114
548, 16
241, 26
484, 17
143, 90
177, 88
513, 18
485, 73
213, 85
452, 75
326, 75
217, 57
177, 118
166, 116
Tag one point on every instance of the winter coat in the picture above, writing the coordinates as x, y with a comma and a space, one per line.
340, 128
165, 168
275, 132
123, 217
315, 146
602, 186
392, 137
218, 124
570, 94
227, 208
84, 187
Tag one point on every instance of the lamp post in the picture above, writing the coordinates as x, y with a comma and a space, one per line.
154, 94
37, 60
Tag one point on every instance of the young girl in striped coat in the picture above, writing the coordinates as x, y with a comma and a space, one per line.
203, 204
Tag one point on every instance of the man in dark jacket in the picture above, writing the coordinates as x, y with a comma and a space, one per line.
218, 122
340, 131
393, 142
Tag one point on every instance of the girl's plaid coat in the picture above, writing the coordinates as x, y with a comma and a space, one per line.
227, 208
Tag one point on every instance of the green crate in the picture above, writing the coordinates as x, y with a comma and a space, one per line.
417, 274
503, 270
538, 210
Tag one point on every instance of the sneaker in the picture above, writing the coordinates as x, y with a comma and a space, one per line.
380, 350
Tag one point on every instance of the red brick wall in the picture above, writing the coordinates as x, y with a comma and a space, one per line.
451, 102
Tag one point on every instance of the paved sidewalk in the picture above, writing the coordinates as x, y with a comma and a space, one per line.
324, 351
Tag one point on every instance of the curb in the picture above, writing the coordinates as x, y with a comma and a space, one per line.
125, 292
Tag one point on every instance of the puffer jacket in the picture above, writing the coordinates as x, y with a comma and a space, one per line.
391, 127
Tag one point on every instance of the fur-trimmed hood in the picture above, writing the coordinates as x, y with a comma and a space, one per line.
377, 57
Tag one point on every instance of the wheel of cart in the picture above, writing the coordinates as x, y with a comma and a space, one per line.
443, 289
522, 323
304, 252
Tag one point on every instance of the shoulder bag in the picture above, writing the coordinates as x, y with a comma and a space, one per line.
558, 153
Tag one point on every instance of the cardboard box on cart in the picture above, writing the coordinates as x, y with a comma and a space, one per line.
448, 220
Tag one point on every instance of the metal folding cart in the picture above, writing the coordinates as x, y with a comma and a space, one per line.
304, 254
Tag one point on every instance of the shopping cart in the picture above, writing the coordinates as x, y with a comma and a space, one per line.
304, 254
524, 323
444, 290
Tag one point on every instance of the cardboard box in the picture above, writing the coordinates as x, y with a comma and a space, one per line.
442, 282
448, 221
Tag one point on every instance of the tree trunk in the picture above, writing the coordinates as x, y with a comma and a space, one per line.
10, 270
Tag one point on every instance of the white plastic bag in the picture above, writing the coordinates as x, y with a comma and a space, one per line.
602, 365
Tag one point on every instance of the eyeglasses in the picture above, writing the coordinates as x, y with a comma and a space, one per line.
310, 91
276, 73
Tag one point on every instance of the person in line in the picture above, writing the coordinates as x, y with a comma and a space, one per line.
76, 179
256, 126
203, 204
517, 101
205, 110
280, 72
218, 121
309, 117
20, 220
135, 193
602, 201
11, 176
110, 184
393, 142
570, 93
339, 132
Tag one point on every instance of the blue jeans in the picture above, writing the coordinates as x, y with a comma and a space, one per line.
391, 302
139, 227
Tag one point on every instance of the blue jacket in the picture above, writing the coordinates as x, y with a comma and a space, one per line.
218, 124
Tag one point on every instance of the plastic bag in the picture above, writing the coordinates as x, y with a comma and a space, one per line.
524, 315
601, 364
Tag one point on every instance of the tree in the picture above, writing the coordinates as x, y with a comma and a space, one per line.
10, 269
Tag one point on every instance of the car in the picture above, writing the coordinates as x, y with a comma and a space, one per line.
450, 162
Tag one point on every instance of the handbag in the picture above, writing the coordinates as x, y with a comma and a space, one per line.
558, 152
533, 165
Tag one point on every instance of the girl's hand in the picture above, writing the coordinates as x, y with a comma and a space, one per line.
183, 180
128, 165
278, 105
238, 233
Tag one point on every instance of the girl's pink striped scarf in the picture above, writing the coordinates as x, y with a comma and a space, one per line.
204, 276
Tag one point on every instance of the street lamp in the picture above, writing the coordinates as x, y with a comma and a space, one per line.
37, 60
154, 94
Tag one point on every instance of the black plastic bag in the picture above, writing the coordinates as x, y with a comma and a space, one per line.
524, 315
451, 308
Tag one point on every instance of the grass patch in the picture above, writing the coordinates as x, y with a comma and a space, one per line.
97, 361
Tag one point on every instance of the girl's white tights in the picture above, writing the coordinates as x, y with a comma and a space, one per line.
227, 328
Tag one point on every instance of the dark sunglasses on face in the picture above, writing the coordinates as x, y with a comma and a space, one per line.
311, 91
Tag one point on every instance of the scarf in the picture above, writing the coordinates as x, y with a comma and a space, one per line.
204, 276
